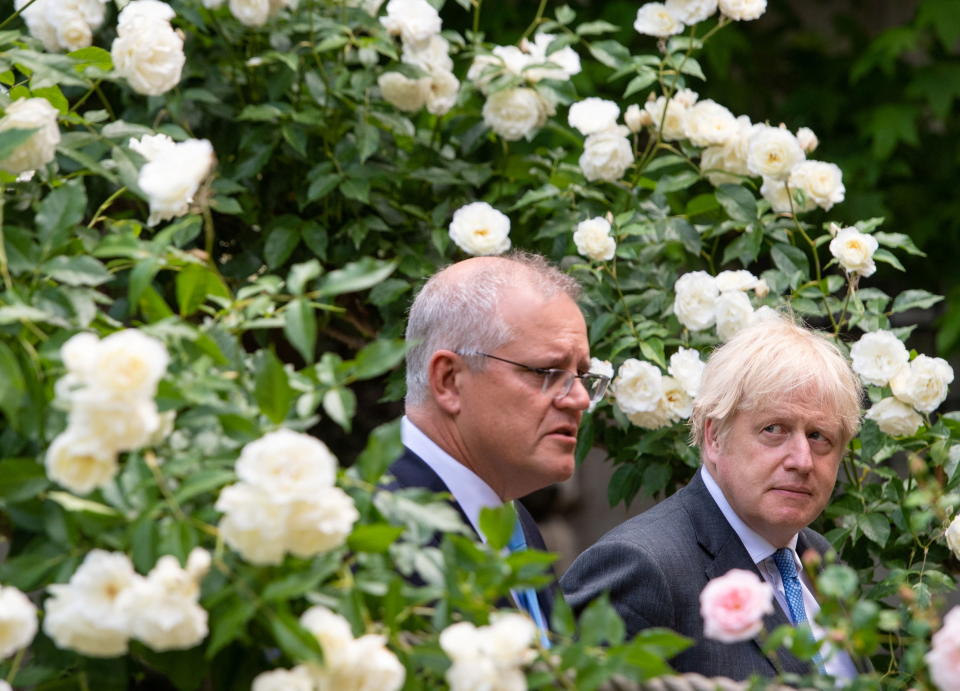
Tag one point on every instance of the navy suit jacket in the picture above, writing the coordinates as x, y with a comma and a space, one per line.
412, 471
654, 567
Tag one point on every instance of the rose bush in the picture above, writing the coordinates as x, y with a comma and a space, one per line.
214, 217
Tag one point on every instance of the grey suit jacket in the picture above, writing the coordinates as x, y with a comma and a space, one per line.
654, 567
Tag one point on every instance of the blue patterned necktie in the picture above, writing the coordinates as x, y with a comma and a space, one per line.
527, 598
783, 558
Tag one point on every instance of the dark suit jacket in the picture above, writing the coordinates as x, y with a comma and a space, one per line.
654, 567
412, 471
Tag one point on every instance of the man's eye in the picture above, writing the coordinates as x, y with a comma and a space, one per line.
773, 429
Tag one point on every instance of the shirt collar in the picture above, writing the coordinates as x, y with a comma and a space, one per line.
468, 490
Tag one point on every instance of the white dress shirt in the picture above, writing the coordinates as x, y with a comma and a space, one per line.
836, 662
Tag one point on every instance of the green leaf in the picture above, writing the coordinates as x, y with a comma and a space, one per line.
228, 621
687, 234
597, 27
876, 526
565, 14
299, 583
887, 257
838, 581
77, 270
140, 277
194, 284
92, 56
12, 138
378, 357
738, 202
20, 478
358, 275
298, 643
340, 403
383, 447
61, 210
640, 82
791, 261
497, 524
261, 112
600, 623
301, 274
13, 388
272, 390
373, 537
610, 53
321, 186
368, 140
899, 241
914, 299
281, 240
300, 327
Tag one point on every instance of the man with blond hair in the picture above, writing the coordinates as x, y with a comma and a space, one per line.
778, 404
497, 380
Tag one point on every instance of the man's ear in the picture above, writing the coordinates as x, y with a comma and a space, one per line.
443, 371
711, 441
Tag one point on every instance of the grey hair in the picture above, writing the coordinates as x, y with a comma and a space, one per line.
460, 312
768, 361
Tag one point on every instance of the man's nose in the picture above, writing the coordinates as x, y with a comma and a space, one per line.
799, 455
577, 398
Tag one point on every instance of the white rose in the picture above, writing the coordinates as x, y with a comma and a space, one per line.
854, 251
636, 119
602, 367
728, 163
685, 97
877, 356
149, 55
296, 679
149, 10
923, 382
606, 155
695, 301
253, 13
566, 59
638, 387
807, 139
654, 19
733, 312
330, 629
321, 523
508, 637
514, 60
431, 55
18, 621
943, 659
593, 240
761, 289
735, 280
483, 70
670, 115
118, 423
412, 20
128, 364
364, 664
287, 465
687, 368
254, 523
895, 418
73, 31
79, 462
593, 115
953, 536
371, 7
516, 113
773, 152
442, 92
40, 148
85, 614
713, 166
404, 93
479, 673
677, 401
661, 416
764, 313
691, 11
151, 145
213, 4
35, 16
710, 124
479, 229
78, 353
778, 193
167, 614
172, 179
821, 182
741, 10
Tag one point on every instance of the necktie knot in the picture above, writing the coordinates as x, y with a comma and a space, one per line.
787, 567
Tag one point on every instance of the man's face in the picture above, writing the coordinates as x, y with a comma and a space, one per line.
516, 437
777, 465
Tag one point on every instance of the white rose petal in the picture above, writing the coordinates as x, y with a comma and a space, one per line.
566, 59
778, 193
412, 20
895, 418
442, 92
172, 179
296, 679
18, 621
654, 19
923, 382
403, 93
516, 113
710, 124
735, 280
733, 312
691, 11
330, 629
129, 364
364, 664
695, 301
254, 523
148, 53
773, 152
821, 182
660, 416
603, 367
953, 536
593, 115
687, 368
676, 399
431, 55
479, 229
670, 117
743, 10
40, 148
593, 240
854, 251
638, 387
149, 10
636, 119
807, 139
80, 462
287, 464
118, 423
321, 523
152, 145
877, 356
606, 155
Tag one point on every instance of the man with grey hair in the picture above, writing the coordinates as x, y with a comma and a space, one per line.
778, 404
497, 380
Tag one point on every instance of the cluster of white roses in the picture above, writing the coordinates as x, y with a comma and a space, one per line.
607, 151
651, 399
702, 300
286, 500
418, 25
918, 385
349, 663
109, 389
489, 657
40, 148
594, 240
18, 621
62, 24
172, 174
477, 228
106, 603
516, 112
663, 19
853, 250
148, 51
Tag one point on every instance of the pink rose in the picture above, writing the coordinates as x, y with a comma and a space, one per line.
733, 605
944, 656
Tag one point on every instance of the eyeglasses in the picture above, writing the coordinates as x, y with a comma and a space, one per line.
559, 382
